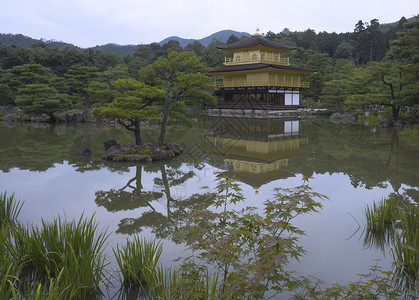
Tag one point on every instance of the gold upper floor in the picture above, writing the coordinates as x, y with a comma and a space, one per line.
257, 61
256, 56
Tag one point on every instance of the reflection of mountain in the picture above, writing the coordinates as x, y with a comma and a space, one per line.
255, 152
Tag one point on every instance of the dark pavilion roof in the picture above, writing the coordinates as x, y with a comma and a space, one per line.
256, 66
254, 41
257, 180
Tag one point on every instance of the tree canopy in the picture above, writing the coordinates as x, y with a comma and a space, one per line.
135, 103
392, 82
374, 64
180, 75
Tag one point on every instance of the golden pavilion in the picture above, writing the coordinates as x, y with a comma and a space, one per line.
256, 76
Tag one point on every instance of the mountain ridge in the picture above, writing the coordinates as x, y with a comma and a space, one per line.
221, 36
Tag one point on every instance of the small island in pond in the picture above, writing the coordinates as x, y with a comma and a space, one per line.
140, 153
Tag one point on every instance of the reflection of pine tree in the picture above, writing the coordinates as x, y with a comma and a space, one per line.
132, 196
125, 199
176, 206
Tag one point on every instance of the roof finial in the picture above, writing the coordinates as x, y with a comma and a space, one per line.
257, 31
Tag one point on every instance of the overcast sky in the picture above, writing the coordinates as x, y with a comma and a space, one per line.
87, 23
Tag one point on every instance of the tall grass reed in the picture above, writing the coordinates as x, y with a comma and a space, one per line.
395, 222
69, 251
9, 209
406, 248
141, 270
381, 218
8, 267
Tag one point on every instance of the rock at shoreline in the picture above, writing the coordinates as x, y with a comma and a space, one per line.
41, 119
75, 116
8, 109
143, 153
9, 120
110, 143
86, 152
398, 125
341, 118
386, 123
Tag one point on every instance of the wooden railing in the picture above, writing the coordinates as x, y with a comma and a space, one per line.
281, 61
245, 83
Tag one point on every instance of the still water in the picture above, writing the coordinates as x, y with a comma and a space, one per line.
351, 164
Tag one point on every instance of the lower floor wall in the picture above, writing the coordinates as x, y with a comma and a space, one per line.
270, 97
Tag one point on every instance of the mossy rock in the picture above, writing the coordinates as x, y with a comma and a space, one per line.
143, 153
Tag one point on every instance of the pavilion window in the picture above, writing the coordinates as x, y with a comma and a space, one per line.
238, 58
254, 57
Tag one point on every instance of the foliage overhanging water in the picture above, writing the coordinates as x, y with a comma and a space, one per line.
352, 165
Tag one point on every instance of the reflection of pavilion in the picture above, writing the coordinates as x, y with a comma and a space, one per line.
257, 153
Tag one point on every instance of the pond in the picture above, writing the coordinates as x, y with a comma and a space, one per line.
352, 165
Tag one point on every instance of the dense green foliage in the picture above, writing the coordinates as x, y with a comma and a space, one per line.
181, 76
249, 250
391, 82
133, 105
373, 66
171, 84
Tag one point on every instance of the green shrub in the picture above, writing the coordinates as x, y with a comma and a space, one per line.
248, 251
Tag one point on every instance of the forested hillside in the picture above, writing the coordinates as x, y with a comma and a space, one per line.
373, 65
22, 40
122, 50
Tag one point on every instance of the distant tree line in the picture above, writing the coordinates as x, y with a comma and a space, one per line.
373, 66
368, 42
370, 65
